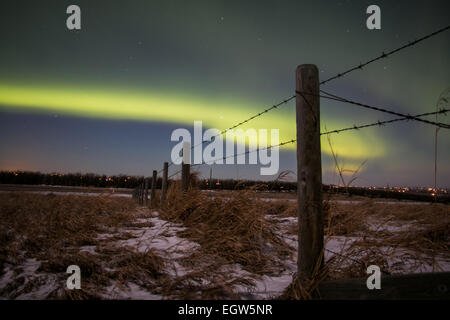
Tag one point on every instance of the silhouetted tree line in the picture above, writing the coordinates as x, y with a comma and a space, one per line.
70, 179
387, 194
123, 181
231, 184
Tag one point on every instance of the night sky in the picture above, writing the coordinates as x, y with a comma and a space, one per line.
106, 99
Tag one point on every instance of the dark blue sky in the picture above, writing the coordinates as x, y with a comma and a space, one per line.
173, 62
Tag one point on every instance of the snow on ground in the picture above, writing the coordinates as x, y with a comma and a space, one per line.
161, 236
27, 276
131, 292
154, 233
398, 259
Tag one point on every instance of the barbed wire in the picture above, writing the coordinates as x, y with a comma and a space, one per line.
354, 127
275, 106
380, 123
172, 175
359, 67
341, 99
240, 154
385, 55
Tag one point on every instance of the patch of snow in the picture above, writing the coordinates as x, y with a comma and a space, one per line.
132, 291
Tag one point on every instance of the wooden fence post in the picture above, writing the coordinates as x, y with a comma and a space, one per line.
185, 174
146, 192
154, 180
309, 172
164, 183
186, 167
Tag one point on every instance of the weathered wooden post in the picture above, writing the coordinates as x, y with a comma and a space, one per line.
164, 183
154, 180
210, 178
186, 167
185, 174
309, 171
146, 192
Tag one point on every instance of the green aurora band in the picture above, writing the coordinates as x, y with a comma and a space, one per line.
176, 109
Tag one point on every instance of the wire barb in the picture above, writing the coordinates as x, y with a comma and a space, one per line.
382, 123
334, 97
385, 55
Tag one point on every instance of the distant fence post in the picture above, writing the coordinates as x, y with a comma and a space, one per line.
146, 192
164, 183
309, 171
140, 194
186, 167
210, 178
152, 198
137, 194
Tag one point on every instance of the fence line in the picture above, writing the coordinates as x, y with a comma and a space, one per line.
331, 96
385, 55
309, 171
275, 106
354, 127
339, 75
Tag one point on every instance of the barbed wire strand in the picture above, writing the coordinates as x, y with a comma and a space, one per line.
380, 123
410, 117
354, 127
341, 99
359, 67
385, 55
275, 106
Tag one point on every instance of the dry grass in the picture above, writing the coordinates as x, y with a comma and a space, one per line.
413, 235
52, 228
234, 229
46, 222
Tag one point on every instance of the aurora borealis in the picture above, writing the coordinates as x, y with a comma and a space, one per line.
106, 98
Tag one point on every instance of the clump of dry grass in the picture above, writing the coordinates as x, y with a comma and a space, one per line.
137, 266
233, 228
52, 228
208, 280
413, 235
306, 289
345, 220
418, 226
42, 222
